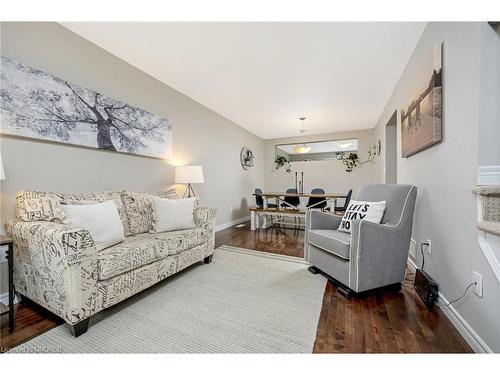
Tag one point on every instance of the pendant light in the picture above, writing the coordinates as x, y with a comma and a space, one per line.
302, 148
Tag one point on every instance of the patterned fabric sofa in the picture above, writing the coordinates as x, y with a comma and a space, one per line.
58, 267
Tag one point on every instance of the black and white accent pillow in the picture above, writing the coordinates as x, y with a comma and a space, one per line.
370, 211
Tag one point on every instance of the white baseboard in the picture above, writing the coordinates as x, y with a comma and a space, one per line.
488, 175
231, 223
473, 339
412, 264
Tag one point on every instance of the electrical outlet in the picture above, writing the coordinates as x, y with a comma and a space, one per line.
429, 246
413, 249
478, 279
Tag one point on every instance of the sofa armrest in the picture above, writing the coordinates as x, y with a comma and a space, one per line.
63, 267
204, 217
379, 254
321, 220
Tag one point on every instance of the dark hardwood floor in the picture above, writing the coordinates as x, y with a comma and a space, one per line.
383, 322
30, 321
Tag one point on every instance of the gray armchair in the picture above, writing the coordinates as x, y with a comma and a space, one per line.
373, 255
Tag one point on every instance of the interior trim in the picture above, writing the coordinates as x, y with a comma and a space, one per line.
488, 175
220, 227
473, 339
488, 242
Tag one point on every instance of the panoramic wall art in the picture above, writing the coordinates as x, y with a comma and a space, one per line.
421, 121
35, 104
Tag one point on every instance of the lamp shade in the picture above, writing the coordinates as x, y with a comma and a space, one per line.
189, 174
2, 173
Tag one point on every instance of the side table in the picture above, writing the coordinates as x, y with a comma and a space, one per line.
6, 241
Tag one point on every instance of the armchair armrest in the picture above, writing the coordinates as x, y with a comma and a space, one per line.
379, 254
204, 217
321, 220
61, 272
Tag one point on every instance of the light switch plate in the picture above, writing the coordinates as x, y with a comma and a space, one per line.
478, 279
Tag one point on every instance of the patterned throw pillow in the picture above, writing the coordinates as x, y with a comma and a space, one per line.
362, 210
140, 210
46, 206
39, 206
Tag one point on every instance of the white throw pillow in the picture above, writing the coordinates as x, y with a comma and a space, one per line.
172, 214
100, 219
369, 211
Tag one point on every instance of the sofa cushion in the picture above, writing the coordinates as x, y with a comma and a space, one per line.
139, 209
145, 248
333, 241
181, 240
39, 206
45, 206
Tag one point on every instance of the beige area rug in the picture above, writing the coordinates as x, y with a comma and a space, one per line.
243, 302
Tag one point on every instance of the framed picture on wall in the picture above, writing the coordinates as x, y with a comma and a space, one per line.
34, 104
421, 120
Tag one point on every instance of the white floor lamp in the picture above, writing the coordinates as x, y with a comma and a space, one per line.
189, 174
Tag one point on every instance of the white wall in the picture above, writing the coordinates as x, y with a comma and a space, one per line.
445, 174
200, 136
489, 96
329, 175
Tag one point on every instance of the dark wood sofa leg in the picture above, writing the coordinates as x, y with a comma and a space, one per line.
208, 259
80, 328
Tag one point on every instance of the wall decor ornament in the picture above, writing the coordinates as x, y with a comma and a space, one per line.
351, 160
34, 104
421, 122
246, 158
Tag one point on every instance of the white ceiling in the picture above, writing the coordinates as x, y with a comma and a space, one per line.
264, 76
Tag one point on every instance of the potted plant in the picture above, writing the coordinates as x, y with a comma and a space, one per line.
350, 162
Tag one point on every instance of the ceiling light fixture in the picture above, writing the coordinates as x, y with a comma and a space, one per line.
302, 148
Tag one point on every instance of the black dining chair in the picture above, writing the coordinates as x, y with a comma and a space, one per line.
343, 208
259, 201
317, 202
292, 201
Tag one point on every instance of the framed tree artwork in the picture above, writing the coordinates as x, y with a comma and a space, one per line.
421, 120
35, 104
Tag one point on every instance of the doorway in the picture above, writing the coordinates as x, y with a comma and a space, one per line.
391, 150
